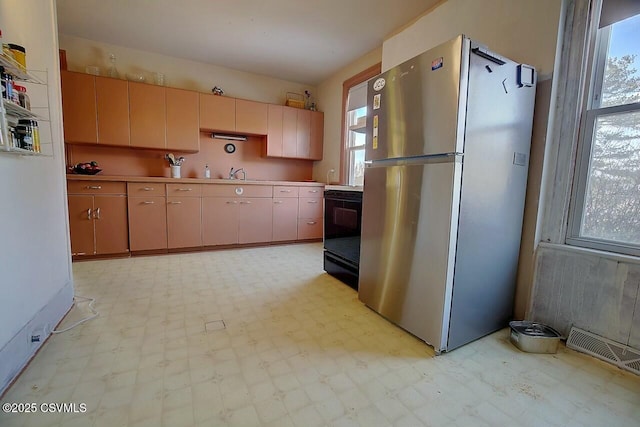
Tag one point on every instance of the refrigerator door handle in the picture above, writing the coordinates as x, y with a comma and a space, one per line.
452, 157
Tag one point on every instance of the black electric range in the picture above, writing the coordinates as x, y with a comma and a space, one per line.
342, 221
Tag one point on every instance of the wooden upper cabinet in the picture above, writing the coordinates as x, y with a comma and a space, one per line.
79, 107
217, 112
147, 112
303, 131
274, 130
289, 131
317, 135
251, 117
183, 124
112, 99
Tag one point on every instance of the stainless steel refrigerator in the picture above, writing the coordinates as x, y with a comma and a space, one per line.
447, 150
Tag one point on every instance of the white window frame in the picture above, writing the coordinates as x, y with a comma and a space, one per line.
345, 154
351, 150
590, 113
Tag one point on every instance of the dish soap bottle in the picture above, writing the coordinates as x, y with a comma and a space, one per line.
207, 171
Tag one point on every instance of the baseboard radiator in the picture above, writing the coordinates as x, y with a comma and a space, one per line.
620, 355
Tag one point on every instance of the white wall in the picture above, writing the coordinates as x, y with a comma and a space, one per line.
36, 285
330, 101
179, 73
522, 30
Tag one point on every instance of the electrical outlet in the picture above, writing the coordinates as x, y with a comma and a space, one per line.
39, 334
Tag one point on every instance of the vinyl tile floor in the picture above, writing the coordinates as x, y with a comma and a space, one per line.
263, 337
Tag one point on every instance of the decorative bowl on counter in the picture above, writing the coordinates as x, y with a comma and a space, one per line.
88, 168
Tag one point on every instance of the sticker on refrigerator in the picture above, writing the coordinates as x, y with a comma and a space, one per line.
376, 101
379, 84
436, 64
375, 132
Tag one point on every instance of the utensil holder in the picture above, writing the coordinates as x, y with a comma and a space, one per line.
175, 171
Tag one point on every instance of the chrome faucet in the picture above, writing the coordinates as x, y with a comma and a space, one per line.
233, 174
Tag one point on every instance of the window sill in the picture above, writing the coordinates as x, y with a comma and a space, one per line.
593, 252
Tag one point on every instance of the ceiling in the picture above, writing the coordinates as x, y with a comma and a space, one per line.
297, 40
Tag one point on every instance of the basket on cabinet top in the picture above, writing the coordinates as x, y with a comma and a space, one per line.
295, 100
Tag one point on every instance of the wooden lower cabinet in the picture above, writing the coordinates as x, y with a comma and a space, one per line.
236, 220
255, 220
81, 225
310, 213
184, 228
98, 223
110, 213
309, 228
147, 223
219, 221
114, 217
285, 219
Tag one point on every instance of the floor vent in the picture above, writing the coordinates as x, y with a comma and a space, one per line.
610, 351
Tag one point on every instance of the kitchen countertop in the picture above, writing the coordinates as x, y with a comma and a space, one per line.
124, 178
344, 187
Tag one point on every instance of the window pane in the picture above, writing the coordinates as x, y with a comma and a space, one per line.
612, 196
356, 166
354, 116
621, 82
358, 139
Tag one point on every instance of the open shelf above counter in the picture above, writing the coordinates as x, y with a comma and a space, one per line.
11, 113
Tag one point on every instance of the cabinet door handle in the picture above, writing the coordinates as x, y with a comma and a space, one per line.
96, 214
89, 213
175, 203
312, 222
148, 202
312, 201
245, 202
94, 187
277, 202
313, 191
147, 189
285, 191
184, 189
232, 202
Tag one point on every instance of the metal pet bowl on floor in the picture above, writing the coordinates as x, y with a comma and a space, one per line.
533, 337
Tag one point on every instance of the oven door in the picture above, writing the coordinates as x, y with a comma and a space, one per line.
342, 220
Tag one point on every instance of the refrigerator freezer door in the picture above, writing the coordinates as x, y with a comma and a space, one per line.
412, 109
406, 240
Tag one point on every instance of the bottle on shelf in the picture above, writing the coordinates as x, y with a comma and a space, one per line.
113, 71
207, 171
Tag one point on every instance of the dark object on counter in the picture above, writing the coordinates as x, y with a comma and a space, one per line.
342, 221
217, 90
87, 168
